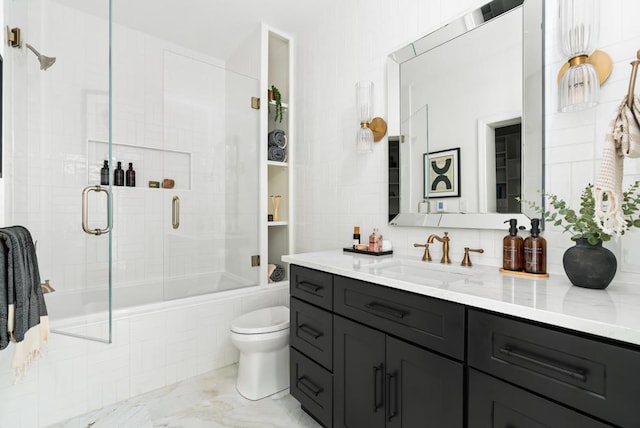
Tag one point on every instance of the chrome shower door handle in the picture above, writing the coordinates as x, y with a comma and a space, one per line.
175, 212
85, 210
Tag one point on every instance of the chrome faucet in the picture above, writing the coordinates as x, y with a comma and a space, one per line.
445, 246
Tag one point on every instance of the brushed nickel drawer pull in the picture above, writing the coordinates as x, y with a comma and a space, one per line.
379, 307
315, 389
576, 374
310, 331
309, 287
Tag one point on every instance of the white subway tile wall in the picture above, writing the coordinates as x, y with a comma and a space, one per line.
337, 188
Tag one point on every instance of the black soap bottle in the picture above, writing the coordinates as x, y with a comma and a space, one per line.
535, 250
104, 173
118, 175
512, 248
131, 176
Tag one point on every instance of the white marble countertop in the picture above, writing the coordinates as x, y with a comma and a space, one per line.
612, 313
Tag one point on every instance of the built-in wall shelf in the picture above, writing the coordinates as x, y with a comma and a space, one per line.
277, 223
149, 163
283, 105
275, 163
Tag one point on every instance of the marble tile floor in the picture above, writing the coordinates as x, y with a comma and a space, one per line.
209, 400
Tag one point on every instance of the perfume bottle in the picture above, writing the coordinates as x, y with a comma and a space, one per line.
130, 176
118, 175
104, 173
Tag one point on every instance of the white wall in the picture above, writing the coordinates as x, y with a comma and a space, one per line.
338, 189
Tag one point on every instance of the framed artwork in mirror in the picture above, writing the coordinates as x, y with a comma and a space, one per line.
442, 174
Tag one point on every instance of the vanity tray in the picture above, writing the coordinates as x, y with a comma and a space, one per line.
371, 253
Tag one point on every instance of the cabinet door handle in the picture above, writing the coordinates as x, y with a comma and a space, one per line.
379, 307
392, 377
303, 381
574, 373
378, 399
310, 331
309, 287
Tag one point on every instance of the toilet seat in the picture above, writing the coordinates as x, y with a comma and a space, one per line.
267, 320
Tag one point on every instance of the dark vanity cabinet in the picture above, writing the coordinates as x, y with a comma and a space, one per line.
365, 355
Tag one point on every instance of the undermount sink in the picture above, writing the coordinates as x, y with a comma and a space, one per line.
419, 272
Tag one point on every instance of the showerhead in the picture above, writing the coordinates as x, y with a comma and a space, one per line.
45, 61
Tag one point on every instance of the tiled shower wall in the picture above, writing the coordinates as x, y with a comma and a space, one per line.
339, 188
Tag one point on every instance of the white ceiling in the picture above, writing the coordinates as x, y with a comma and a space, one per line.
215, 27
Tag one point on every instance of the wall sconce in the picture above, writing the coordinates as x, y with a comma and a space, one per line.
371, 130
580, 78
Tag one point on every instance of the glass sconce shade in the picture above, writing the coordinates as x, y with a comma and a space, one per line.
579, 88
578, 26
364, 91
364, 140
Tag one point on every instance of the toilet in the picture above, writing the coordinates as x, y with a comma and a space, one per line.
262, 337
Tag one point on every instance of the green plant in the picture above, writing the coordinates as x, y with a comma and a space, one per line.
277, 98
582, 224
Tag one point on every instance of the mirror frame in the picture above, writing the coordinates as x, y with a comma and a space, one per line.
533, 121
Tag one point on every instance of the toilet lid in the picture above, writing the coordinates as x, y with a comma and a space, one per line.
267, 320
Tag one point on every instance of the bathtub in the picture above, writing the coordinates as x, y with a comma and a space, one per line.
87, 305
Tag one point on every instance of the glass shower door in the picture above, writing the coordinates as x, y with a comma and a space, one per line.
57, 121
213, 227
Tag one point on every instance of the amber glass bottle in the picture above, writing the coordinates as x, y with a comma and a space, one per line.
512, 248
535, 250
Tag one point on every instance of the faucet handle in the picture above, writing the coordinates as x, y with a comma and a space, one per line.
426, 257
466, 260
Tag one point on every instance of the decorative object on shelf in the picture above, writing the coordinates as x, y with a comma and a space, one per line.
276, 154
276, 97
277, 137
168, 183
580, 78
599, 269
276, 273
130, 176
371, 130
104, 173
118, 175
442, 174
154, 184
275, 200
277, 140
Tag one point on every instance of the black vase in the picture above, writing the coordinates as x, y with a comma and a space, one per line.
589, 266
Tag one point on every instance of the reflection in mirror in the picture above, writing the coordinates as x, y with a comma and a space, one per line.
470, 109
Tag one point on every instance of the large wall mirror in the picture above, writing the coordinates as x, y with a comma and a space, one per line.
469, 103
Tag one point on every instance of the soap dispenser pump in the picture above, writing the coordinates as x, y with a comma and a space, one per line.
535, 250
512, 248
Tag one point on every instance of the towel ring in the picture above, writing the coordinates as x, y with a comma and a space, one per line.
632, 82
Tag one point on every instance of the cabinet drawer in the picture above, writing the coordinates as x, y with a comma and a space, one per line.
493, 403
598, 378
312, 332
425, 321
312, 386
312, 286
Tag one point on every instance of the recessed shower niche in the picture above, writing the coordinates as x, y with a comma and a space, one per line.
150, 164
